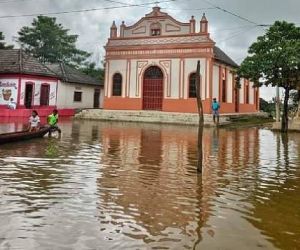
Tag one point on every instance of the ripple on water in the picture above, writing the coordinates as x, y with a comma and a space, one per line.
129, 186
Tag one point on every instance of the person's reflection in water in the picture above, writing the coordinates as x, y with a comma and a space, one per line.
52, 149
215, 141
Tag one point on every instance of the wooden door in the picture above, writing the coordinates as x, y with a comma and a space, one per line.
28, 95
237, 99
96, 98
153, 92
44, 99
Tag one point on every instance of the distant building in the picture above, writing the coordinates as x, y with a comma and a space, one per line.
76, 89
33, 85
151, 65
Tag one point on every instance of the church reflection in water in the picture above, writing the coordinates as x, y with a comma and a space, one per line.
150, 179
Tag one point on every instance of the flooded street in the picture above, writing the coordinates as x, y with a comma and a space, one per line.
135, 186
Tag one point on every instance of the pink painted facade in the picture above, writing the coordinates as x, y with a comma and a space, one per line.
150, 65
26, 91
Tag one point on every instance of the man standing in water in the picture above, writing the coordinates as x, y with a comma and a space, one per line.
52, 121
215, 110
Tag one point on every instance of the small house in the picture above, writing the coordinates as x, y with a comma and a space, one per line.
76, 89
31, 84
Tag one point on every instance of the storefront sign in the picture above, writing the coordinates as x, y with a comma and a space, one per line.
8, 91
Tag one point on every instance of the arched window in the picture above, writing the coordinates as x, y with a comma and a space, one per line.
117, 85
155, 29
224, 86
192, 86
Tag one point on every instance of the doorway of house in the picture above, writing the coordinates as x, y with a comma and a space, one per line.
96, 98
28, 95
45, 89
237, 100
153, 92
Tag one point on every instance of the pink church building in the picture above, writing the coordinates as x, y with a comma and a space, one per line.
151, 65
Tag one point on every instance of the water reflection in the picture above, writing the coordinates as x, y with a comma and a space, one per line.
135, 186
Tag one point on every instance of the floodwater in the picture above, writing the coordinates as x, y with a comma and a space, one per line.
134, 186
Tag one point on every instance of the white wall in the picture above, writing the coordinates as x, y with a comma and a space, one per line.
37, 90
190, 67
216, 76
101, 97
229, 86
241, 94
251, 93
168, 27
65, 95
176, 75
133, 71
116, 66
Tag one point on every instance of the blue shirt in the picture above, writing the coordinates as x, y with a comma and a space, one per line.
215, 106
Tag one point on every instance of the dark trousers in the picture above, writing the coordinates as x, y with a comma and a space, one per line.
54, 128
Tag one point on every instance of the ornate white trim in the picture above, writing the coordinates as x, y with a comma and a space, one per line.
158, 51
158, 40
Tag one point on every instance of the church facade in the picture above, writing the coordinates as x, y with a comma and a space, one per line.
151, 65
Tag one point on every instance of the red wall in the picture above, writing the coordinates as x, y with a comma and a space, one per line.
175, 105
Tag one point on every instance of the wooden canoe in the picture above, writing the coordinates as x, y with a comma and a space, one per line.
22, 135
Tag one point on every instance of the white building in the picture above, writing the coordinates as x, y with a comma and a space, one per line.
76, 89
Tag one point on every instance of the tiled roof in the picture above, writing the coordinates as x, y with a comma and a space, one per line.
220, 55
69, 74
18, 62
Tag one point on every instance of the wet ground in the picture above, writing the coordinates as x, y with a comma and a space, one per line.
135, 186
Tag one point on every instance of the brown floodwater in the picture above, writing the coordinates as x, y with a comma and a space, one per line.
109, 185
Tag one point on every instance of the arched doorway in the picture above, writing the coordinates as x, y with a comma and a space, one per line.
153, 89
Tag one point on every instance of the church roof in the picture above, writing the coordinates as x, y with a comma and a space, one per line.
16, 61
221, 56
71, 75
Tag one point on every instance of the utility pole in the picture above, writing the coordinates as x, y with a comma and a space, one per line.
201, 119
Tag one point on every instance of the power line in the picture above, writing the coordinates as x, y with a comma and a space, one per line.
235, 34
86, 10
234, 14
191, 9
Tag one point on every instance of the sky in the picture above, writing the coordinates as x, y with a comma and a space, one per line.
232, 34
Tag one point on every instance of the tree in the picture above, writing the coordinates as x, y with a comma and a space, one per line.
50, 42
2, 44
268, 107
91, 70
274, 60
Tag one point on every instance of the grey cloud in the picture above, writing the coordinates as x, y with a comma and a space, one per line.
229, 32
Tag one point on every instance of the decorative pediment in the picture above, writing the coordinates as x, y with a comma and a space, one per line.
139, 30
155, 25
171, 27
160, 41
156, 13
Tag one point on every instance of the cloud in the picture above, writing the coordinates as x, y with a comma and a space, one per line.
231, 34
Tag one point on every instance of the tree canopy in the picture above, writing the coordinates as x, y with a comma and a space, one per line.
274, 59
93, 71
2, 43
50, 42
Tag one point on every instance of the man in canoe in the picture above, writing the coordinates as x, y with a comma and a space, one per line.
34, 121
52, 122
